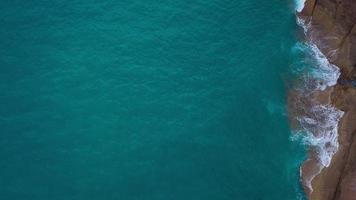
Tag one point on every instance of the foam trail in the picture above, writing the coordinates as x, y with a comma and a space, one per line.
320, 131
319, 73
326, 71
317, 123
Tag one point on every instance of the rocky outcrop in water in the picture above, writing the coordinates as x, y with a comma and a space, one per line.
332, 27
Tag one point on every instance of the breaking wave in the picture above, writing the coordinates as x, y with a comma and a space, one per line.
319, 129
299, 5
316, 122
316, 71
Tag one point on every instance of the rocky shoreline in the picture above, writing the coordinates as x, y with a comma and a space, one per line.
332, 28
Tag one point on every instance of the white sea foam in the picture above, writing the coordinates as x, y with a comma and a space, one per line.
299, 5
319, 73
318, 125
325, 71
301, 22
319, 129
322, 70
309, 179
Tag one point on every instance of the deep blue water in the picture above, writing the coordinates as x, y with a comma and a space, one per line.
146, 100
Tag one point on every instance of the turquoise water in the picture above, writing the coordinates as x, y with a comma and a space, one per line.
146, 100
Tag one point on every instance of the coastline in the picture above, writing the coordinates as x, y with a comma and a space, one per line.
331, 27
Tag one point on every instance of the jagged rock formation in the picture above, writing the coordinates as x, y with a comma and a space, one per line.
332, 27
333, 30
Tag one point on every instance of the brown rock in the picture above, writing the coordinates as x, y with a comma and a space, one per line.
332, 27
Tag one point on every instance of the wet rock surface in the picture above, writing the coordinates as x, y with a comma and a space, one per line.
332, 27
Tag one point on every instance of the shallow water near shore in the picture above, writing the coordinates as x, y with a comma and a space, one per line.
315, 119
147, 100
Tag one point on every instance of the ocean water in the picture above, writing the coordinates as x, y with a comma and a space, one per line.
147, 100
